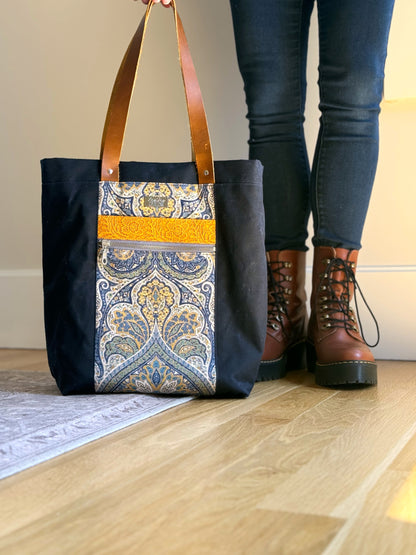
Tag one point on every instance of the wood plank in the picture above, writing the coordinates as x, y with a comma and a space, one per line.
292, 469
346, 438
371, 530
145, 443
23, 359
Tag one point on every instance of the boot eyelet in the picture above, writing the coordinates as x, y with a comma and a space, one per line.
323, 287
276, 327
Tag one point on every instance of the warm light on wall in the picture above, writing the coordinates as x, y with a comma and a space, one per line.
404, 505
400, 81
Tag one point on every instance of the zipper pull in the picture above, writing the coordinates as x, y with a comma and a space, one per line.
105, 245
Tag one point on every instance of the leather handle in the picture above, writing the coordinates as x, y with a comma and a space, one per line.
115, 124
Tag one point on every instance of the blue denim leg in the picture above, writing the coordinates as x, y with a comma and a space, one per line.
271, 40
353, 37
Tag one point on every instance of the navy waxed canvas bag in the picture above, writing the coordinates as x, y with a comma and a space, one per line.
154, 273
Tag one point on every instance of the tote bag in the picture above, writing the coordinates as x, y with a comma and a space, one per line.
154, 273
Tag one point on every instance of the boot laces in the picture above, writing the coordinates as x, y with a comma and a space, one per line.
277, 302
334, 304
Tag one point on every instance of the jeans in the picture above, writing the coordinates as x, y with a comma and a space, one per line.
272, 40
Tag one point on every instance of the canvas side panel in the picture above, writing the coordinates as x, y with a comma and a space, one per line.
241, 293
69, 222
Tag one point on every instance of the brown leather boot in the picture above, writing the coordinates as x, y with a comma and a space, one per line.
336, 351
287, 317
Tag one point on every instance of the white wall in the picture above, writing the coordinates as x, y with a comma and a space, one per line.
58, 61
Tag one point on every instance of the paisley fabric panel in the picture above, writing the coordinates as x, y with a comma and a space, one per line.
157, 200
155, 307
166, 230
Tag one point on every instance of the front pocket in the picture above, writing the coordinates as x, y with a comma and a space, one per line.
155, 329
144, 246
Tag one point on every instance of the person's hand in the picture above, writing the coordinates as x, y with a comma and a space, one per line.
164, 2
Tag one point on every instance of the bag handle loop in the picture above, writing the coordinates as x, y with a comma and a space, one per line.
115, 124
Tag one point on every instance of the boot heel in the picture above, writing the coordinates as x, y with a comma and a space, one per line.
296, 357
293, 359
272, 369
311, 357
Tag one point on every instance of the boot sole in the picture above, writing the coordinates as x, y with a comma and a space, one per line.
349, 373
294, 358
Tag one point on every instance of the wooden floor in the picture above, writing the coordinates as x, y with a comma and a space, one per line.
294, 469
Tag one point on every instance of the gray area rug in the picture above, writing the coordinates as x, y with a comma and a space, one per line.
38, 423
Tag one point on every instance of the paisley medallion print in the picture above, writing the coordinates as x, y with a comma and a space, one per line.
155, 307
156, 200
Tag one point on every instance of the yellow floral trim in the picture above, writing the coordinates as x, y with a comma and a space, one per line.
166, 230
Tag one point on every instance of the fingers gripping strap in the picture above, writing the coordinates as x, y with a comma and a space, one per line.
118, 109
